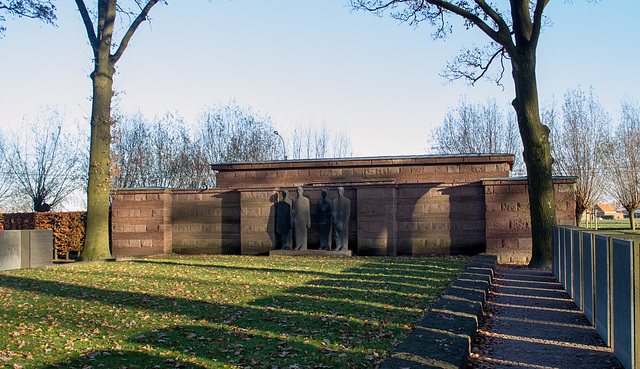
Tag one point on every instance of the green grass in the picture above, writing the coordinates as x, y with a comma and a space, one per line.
217, 311
621, 225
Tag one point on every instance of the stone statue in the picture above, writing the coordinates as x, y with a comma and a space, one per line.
323, 221
300, 220
341, 212
283, 221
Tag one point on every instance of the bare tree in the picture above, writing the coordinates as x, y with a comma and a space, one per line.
578, 144
34, 9
623, 161
192, 168
513, 36
179, 160
130, 151
5, 173
311, 141
157, 154
479, 129
231, 133
100, 32
46, 165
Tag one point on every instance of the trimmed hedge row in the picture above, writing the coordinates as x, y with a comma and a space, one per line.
68, 228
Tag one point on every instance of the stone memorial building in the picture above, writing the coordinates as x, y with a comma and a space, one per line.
406, 205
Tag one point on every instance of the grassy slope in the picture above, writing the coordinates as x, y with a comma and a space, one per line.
217, 311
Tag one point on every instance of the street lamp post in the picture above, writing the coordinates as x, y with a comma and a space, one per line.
284, 148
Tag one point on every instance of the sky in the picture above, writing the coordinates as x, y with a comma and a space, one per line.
309, 61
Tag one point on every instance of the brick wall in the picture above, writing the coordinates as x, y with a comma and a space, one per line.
386, 219
257, 219
443, 219
206, 222
141, 222
399, 206
376, 223
508, 222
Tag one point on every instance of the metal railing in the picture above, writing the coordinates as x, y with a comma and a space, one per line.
601, 272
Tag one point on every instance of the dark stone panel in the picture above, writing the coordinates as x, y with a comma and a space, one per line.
10, 250
622, 300
41, 248
587, 276
576, 240
602, 297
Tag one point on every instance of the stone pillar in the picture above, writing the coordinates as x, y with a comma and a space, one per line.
377, 225
257, 221
508, 219
141, 222
206, 222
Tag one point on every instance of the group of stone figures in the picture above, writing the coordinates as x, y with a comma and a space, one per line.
295, 215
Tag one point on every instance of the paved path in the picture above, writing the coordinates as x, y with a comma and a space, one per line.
531, 322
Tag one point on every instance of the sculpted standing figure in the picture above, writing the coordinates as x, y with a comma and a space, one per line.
301, 220
341, 211
323, 221
283, 221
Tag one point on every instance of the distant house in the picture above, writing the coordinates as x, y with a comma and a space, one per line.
606, 211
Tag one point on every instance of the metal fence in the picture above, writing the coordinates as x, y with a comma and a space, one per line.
601, 272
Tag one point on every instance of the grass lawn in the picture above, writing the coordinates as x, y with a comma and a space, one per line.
621, 225
217, 311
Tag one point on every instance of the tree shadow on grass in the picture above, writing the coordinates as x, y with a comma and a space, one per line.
228, 267
300, 323
401, 274
122, 359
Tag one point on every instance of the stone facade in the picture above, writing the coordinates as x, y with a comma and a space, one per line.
508, 222
141, 222
399, 206
406, 169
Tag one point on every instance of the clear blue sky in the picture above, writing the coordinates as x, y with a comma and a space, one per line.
311, 61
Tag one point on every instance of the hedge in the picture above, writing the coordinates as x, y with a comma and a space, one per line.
68, 228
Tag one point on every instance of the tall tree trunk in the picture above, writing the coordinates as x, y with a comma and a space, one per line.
537, 157
96, 243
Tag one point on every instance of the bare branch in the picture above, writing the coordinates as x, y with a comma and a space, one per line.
538, 19
495, 16
479, 128
623, 160
433, 11
578, 144
88, 24
127, 37
47, 169
34, 9
470, 65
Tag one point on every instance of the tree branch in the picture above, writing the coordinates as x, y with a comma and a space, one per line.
495, 16
473, 59
88, 24
522, 26
502, 36
132, 29
537, 19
